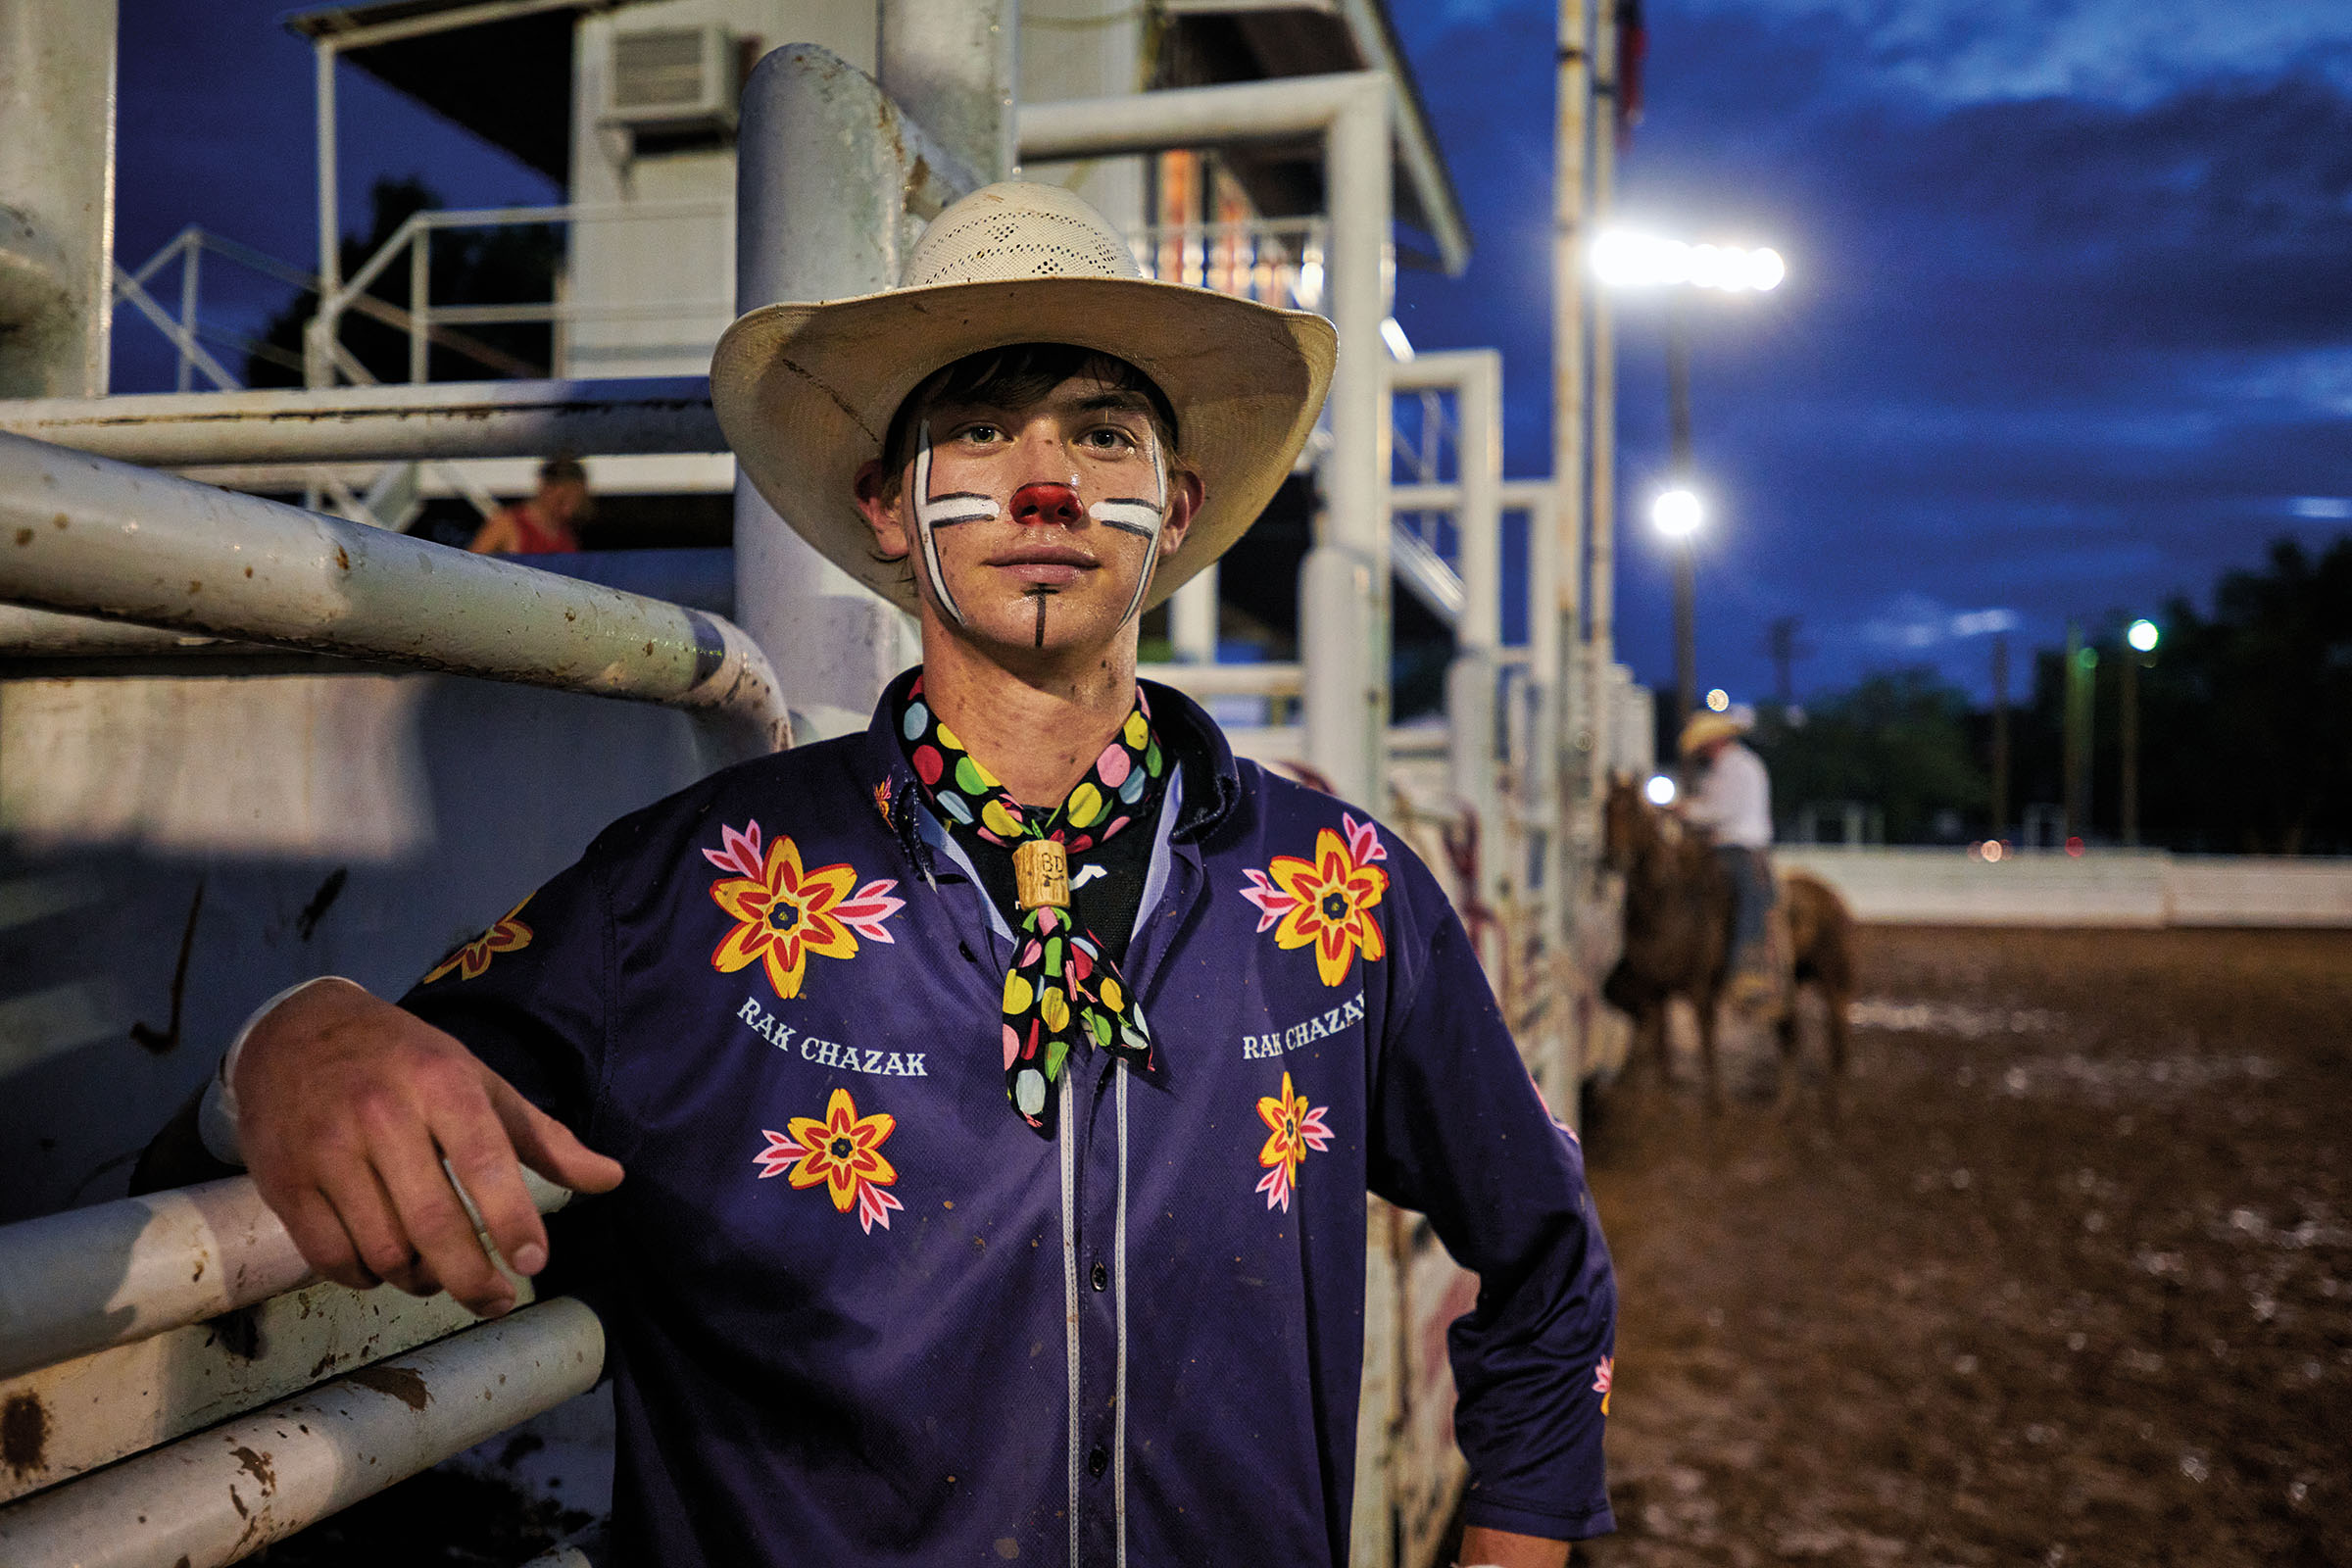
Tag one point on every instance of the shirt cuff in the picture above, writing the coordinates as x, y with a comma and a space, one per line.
1579, 1525
216, 1112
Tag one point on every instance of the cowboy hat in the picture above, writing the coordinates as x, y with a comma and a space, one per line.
1705, 729
806, 392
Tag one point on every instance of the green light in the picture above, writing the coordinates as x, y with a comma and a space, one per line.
2143, 635
2086, 658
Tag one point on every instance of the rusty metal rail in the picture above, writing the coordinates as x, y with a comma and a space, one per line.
379, 424
113, 1273
219, 1496
91, 536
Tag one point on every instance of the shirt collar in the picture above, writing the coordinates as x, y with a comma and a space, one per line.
1213, 791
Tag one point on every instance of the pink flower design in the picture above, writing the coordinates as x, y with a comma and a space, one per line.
1604, 1375
1274, 901
841, 1151
1296, 1127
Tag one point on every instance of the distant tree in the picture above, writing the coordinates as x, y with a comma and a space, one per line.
511, 266
2246, 728
1902, 741
2245, 715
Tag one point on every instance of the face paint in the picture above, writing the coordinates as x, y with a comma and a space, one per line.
1136, 515
941, 511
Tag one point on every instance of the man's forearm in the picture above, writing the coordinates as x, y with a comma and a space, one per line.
1500, 1549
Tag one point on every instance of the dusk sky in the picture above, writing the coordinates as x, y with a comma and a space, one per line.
2067, 326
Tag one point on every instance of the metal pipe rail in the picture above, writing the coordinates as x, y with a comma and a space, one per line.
380, 423
1228, 681
113, 1273
94, 538
220, 1495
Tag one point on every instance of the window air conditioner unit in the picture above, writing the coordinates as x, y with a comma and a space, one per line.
672, 80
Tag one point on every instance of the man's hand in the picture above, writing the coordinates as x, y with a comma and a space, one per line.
346, 1108
1499, 1548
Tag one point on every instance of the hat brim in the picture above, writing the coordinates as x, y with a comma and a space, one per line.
1704, 729
806, 392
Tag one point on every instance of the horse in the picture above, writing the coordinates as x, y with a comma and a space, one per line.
1678, 928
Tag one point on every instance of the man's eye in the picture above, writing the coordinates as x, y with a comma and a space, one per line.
1109, 438
982, 433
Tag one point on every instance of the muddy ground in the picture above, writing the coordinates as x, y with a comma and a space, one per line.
2067, 1280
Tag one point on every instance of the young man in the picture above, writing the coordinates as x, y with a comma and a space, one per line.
1731, 798
997, 1089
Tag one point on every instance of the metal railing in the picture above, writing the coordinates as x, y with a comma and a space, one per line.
212, 562
324, 357
1274, 261
113, 1343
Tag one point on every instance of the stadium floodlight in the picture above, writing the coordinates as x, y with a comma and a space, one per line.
1676, 512
1660, 789
1719, 701
1622, 259
2143, 635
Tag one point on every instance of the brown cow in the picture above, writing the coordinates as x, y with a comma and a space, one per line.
1678, 923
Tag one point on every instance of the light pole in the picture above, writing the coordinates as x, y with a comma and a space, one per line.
2139, 641
1678, 515
1625, 259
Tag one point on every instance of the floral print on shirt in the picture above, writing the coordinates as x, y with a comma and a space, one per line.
1326, 903
783, 912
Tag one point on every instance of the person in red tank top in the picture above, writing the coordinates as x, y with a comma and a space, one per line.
543, 525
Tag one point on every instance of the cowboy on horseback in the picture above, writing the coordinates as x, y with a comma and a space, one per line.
1731, 798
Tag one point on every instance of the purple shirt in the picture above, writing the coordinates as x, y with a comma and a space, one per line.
859, 1314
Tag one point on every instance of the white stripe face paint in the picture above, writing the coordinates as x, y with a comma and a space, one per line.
1138, 515
932, 512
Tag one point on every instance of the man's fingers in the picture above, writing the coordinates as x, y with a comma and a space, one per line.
437, 1227
548, 1147
366, 1213
321, 1238
484, 1159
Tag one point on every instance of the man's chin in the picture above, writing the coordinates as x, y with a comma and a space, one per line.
1015, 634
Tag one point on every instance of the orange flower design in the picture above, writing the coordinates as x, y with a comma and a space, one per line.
784, 913
844, 1151
1326, 902
508, 936
1297, 1128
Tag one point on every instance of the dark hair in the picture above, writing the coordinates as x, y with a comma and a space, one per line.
562, 468
1014, 378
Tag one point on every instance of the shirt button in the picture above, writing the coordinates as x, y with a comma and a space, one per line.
1101, 1278
1098, 1461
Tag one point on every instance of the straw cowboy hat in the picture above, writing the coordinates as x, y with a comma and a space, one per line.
806, 392
1705, 729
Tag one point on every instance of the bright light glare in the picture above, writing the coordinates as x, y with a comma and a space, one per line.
1392, 335
2143, 635
1990, 849
1311, 284
1660, 789
1625, 259
1676, 512
1719, 699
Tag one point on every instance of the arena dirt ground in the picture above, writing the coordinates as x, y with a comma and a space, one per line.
2066, 1278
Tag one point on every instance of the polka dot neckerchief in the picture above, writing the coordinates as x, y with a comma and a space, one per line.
1063, 988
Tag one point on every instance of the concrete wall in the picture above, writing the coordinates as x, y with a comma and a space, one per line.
344, 824
2119, 888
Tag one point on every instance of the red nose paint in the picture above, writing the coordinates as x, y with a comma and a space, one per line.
1046, 502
